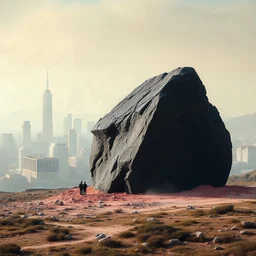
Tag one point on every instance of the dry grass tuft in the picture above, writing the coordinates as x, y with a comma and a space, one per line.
187, 223
227, 238
15, 225
58, 230
111, 243
156, 241
64, 254
243, 248
156, 229
9, 249
143, 237
106, 213
85, 250
223, 209
158, 215
197, 213
182, 235
126, 234
143, 250
57, 234
101, 251
234, 221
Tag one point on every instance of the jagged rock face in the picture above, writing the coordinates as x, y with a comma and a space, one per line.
165, 136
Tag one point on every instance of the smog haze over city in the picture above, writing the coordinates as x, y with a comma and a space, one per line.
97, 51
66, 63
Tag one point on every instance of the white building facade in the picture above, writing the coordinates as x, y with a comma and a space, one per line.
246, 154
40, 168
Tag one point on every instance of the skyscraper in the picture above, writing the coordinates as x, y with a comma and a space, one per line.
26, 134
47, 114
65, 125
8, 142
60, 152
9, 151
72, 142
69, 121
78, 125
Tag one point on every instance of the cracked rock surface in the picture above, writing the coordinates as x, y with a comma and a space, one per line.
164, 136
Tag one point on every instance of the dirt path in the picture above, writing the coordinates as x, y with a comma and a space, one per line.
92, 231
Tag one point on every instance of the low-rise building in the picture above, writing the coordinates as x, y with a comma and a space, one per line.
245, 153
40, 168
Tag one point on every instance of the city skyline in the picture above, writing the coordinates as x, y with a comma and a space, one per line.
45, 160
46, 124
89, 77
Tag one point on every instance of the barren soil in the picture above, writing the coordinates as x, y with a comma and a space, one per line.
112, 214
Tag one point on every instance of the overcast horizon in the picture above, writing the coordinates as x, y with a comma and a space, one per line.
98, 51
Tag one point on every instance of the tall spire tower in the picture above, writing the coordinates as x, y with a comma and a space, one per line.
47, 114
47, 82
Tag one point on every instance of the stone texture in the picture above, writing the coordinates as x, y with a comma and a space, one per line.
200, 235
248, 224
217, 240
174, 242
164, 136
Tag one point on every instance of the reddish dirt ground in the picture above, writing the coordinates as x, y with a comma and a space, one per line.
88, 205
72, 196
201, 196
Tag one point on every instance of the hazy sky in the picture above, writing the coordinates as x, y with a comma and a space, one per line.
97, 51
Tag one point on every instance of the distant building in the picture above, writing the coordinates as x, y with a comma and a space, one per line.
40, 168
60, 152
239, 153
8, 142
65, 125
39, 137
65, 139
72, 142
47, 115
69, 122
22, 152
246, 154
9, 153
78, 126
26, 134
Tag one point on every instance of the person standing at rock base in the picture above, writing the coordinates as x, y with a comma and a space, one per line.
81, 187
85, 187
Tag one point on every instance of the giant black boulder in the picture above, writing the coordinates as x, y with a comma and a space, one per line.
164, 136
